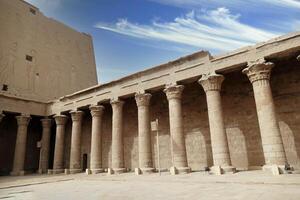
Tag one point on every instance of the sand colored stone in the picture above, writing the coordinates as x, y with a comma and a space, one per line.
117, 147
20, 147
212, 85
96, 140
144, 132
75, 157
45, 148
259, 73
174, 95
58, 163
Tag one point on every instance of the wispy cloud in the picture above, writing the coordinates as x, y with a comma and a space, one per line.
217, 30
187, 3
285, 3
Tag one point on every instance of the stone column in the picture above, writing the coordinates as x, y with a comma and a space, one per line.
96, 141
145, 155
259, 73
117, 149
58, 163
221, 157
75, 161
179, 159
45, 148
20, 148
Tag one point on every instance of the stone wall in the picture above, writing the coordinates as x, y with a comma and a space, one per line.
240, 121
59, 56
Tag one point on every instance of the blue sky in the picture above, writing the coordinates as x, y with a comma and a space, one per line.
131, 35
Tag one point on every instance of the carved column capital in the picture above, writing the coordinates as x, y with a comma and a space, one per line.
174, 91
116, 103
142, 99
46, 122
258, 70
76, 115
211, 82
60, 119
23, 119
96, 110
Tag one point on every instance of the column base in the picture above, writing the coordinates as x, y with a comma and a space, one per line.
111, 171
41, 171
94, 171
17, 173
140, 171
56, 171
180, 170
277, 169
73, 171
219, 170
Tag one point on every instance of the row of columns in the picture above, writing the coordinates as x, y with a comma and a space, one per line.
259, 75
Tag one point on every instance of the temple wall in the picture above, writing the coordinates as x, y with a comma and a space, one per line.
59, 57
240, 121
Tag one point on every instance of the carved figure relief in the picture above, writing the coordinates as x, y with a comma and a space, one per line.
7, 64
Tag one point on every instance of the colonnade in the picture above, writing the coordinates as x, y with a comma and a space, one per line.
259, 75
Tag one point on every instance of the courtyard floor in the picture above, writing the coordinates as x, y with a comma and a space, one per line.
198, 185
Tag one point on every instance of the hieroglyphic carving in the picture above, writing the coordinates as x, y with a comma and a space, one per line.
7, 64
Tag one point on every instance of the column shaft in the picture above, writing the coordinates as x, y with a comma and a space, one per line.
117, 149
221, 156
45, 148
75, 156
144, 130
176, 128
58, 163
20, 148
96, 141
259, 75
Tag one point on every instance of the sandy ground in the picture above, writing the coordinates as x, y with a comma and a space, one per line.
244, 185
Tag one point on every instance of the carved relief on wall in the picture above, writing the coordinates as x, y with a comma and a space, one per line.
7, 64
31, 70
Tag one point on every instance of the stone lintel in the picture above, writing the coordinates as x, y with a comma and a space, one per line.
142, 99
174, 91
23, 119
97, 110
60, 119
211, 82
258, 70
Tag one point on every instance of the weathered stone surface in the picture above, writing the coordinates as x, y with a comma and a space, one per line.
259, 75
212, 85
179, 159
20, 147
117, 137
45, 148
75, 156
195, 131
144, 135
96, 140
58, 163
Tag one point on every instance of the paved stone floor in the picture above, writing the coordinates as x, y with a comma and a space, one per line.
244, 185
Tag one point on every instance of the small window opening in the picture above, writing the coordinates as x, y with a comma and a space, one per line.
4, 87
32, 11
29, 58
